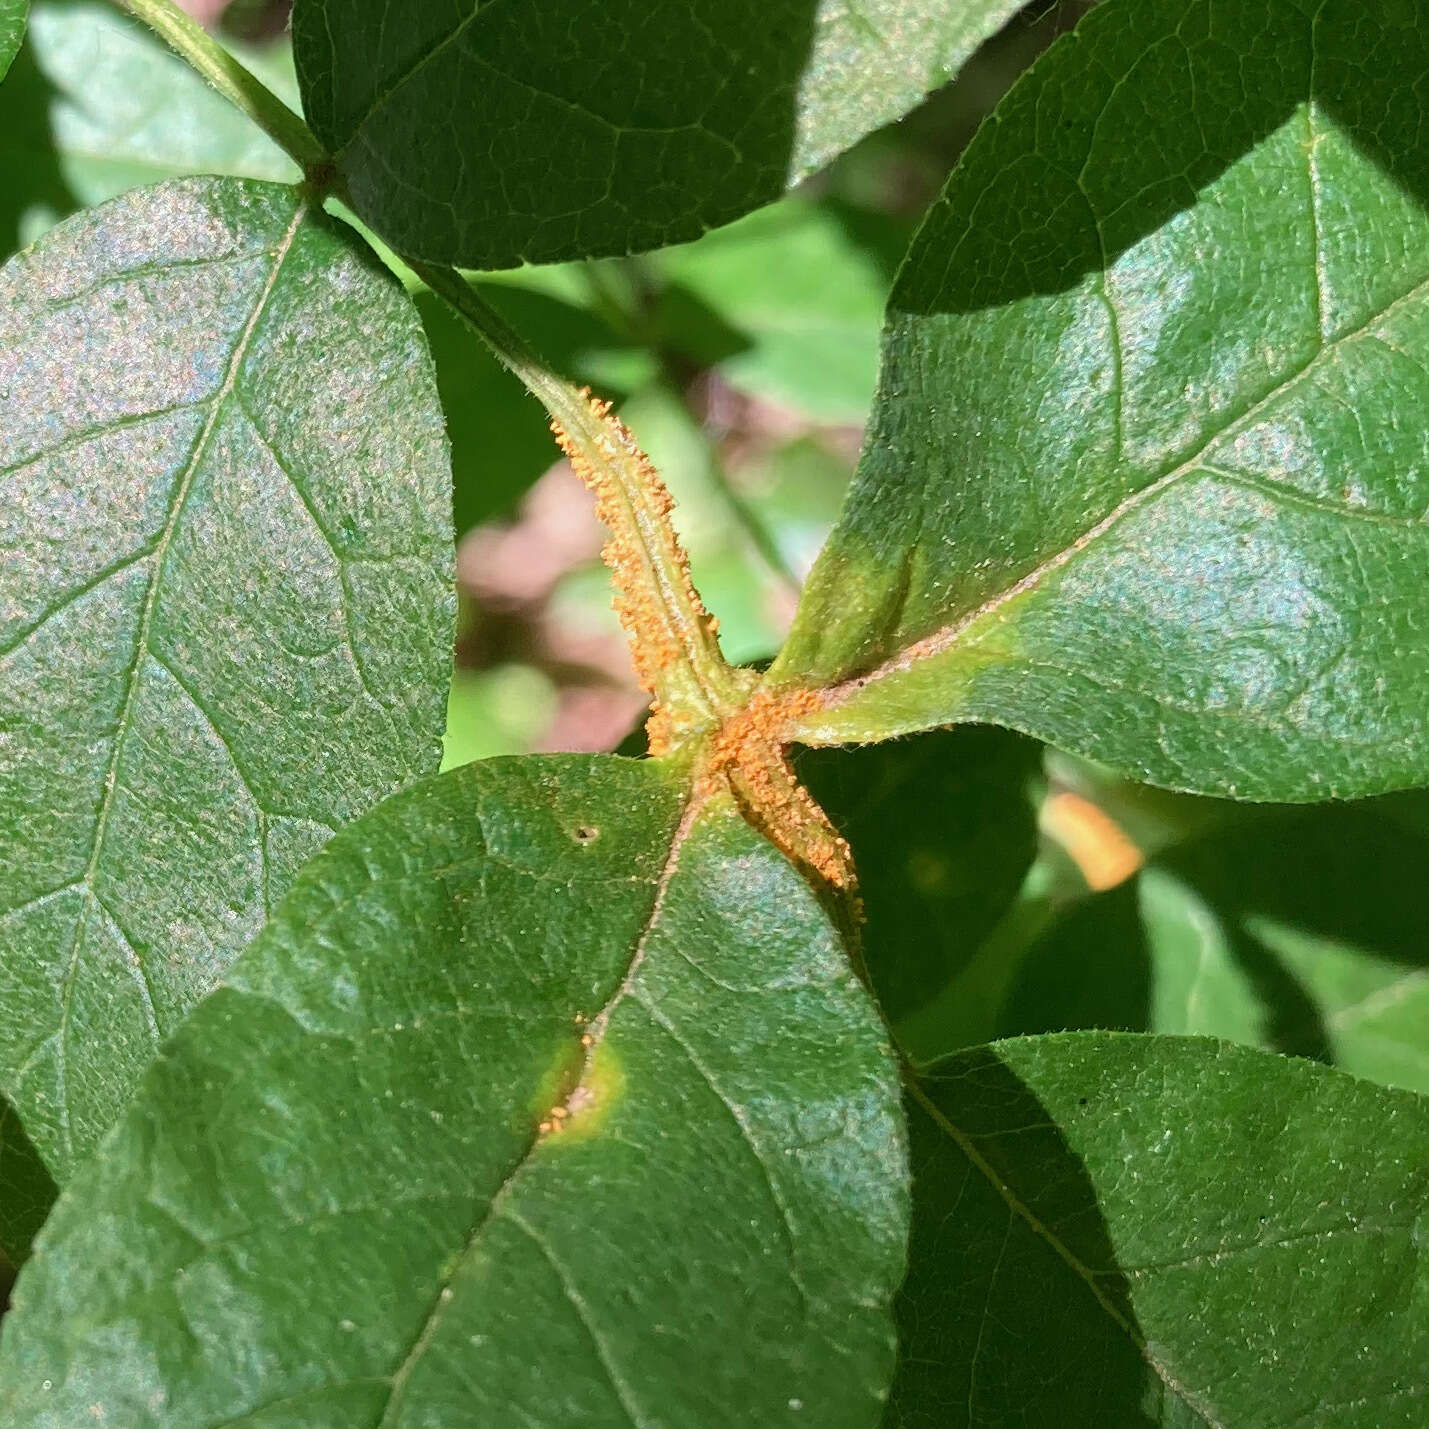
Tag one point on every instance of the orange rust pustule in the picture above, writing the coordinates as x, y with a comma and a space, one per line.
749, 752
1102, 850
627, 488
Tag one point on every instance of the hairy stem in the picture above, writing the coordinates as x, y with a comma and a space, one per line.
672, 636
187, 38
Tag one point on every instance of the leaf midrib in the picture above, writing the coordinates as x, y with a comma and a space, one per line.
124, 725
1021, 1211
944, 640
597, 1028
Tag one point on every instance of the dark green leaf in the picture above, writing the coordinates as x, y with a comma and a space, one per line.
1300, 930
225, 609
1122, 1231
332, 1204
943, 830
494, 135
27, 1190
12, 30
1146, 476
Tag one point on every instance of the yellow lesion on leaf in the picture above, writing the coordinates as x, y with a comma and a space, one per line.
585, 1109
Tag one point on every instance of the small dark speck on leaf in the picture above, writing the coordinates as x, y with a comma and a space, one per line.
585, 834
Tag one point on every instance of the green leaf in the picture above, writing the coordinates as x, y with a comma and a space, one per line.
1145, 477
502, 134
1233, 936
805, 295
1117, 1230
98, 105
712, 1238
27, 1190
943, 830
12, 30
225, 608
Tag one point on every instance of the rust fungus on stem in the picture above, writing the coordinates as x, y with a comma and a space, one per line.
749, 753
739, 729
672, 636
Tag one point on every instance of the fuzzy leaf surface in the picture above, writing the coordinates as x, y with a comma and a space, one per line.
333, 1204
492, 134
1145, 476
225, 607
1163, 1231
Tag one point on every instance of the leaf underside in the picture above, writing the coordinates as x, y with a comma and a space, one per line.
331, 1202
225, 609
493, 134
1144, 476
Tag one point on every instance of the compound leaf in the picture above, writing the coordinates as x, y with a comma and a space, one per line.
1145, 476
544, 1099
225, 607
491, 134
1130, 1230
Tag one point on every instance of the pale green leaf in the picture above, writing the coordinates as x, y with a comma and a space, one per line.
225, 608
99, 105
1146, 476
333, 1204
12, 30
803, 298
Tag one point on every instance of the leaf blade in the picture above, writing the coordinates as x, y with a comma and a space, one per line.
737, 1128
1172, 1318
1161, 393
204, 513
13, 14
1224, 936
659, 125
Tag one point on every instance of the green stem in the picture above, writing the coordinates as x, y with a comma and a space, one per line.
671, 634
563, 400
187, 38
